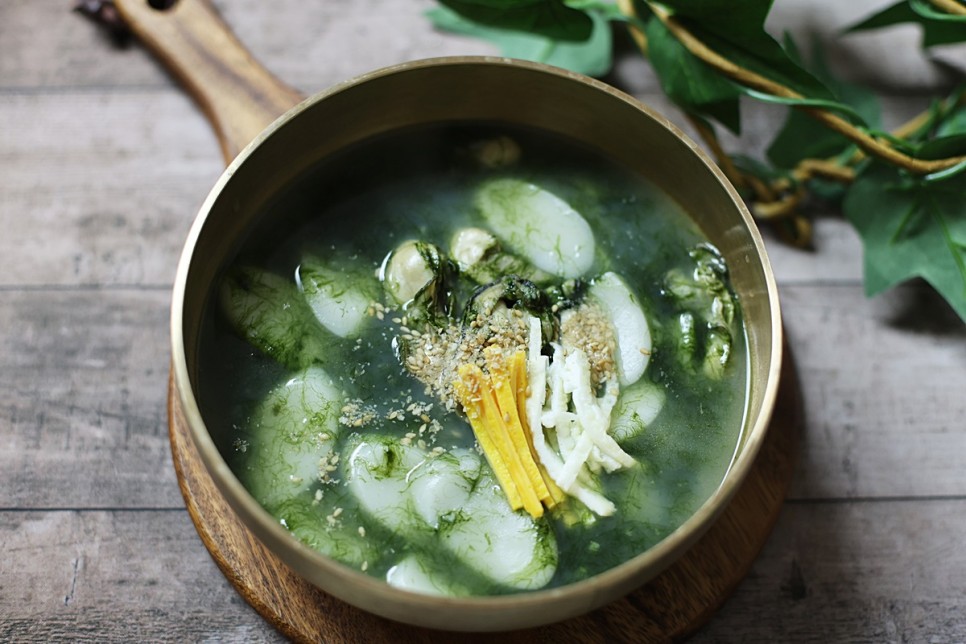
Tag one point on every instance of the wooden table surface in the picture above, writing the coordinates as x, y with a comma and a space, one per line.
103, 164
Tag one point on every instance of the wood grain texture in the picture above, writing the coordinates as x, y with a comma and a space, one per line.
100, 188
81, 421
114, 576
238, 94
884, 392
103, 163
316, 45
820, 578
880, 571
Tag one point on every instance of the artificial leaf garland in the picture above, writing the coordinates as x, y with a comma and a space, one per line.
904, 191
942, 21
911, 228
590, 55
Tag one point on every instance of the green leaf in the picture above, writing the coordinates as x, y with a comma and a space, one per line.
736, 30
901, 144
743, 20
754, 167
688, 81
951, 145
591, 56
954, 122
943, 175
801, 136
823, 104
607, 10
551, 19
911, 228
937, 29
927, 10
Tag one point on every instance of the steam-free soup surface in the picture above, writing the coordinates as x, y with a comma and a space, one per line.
351, 349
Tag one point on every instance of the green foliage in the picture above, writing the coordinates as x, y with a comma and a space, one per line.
689, 82
550, 19
911, 226
916, 226
802, 137
953, 122
736, 30
527, 34
938, 28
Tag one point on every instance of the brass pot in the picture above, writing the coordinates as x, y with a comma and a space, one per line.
475, 89
429, 92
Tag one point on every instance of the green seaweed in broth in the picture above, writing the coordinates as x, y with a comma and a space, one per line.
418, 185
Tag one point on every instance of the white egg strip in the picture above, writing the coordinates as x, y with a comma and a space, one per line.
593, 414
552, 462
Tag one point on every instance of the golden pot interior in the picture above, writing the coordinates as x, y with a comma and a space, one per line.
476, 89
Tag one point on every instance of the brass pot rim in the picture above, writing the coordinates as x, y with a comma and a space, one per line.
483, 613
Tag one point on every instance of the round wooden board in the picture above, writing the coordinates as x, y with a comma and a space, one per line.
669, 608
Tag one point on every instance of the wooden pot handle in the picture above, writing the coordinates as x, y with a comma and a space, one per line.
237, 94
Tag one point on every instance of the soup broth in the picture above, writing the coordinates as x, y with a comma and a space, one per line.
344, 372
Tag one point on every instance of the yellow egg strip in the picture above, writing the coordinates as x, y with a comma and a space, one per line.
495, 404
528, 476
471, 390
549, 492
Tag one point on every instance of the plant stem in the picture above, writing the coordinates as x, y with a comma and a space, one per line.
637, 34
778, 201
748, 78
824, 168
711, 139
949, 6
